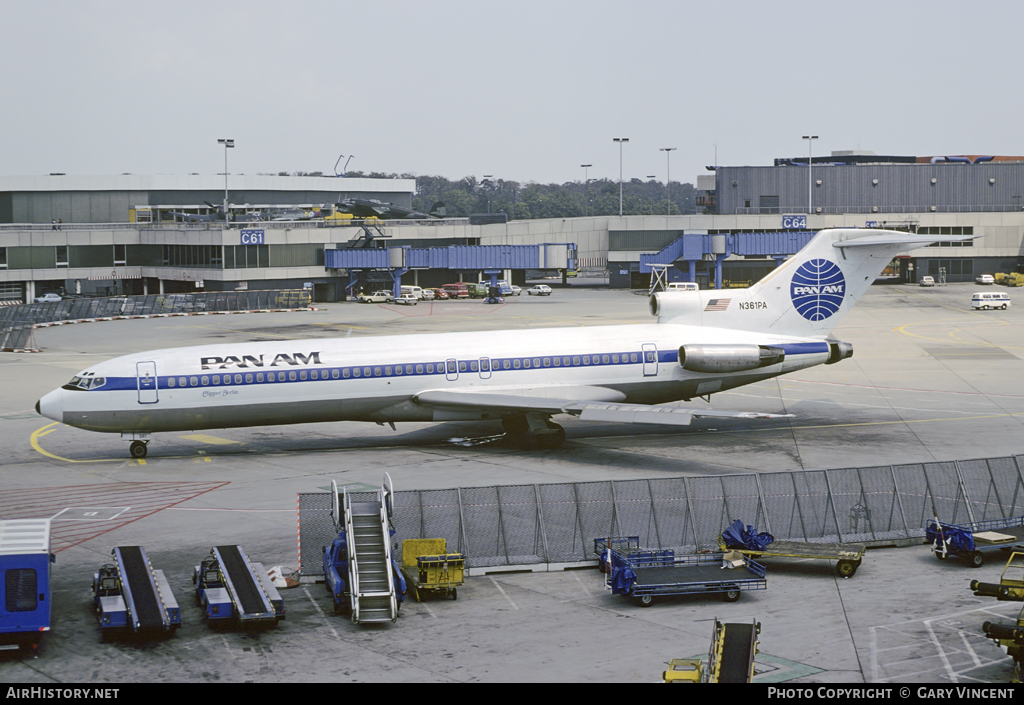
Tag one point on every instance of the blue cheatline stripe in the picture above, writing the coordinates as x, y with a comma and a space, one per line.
283, 375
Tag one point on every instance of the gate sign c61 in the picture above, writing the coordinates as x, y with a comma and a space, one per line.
794, 222
252, 237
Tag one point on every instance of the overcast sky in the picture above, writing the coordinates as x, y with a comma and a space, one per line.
524, 90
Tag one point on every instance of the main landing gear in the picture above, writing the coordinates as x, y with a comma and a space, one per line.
533, 430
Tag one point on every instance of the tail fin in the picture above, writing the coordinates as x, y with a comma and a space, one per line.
807, 295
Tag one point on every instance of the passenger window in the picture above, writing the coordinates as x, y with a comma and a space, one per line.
565, 361
576, 360
291, 375
515, 363
604, 359
216, 379
238, 379
536, 362
419, 369
398, 369
462, 366
547, 362
313, 374
259, 376
430, 369
248, 378
366, 372
586, 359
506, 364
193, 381
170, 382
347, 372
376, 372
615, 359
472, 366
302, 374
526, 363
408, 369
556, 361
632, 357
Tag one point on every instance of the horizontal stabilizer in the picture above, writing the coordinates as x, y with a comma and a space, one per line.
903, 241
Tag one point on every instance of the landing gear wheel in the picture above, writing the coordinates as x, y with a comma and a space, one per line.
138, 450
552, 438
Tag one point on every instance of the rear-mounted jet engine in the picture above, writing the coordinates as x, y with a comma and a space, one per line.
728, 358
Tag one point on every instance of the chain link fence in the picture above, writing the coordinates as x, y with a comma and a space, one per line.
16, 322
522, 525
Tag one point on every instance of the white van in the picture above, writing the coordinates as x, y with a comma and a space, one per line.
683, 286
993, 300
414, 290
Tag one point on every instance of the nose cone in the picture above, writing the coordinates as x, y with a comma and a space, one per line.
52, 406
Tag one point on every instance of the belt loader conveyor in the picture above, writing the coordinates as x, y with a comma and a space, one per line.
229, 585
131, 594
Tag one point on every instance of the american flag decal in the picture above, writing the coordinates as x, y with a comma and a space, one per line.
717, 304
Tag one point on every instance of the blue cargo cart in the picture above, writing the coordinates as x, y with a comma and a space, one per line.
970, 540
25, 604
643, 574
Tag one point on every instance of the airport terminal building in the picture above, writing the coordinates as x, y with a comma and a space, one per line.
136, 234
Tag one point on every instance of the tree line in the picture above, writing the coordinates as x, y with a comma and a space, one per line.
526, 201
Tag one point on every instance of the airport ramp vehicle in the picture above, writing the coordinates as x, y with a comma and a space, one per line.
428, 567
230, 586
1009, 588
25, 602
970, 541
645, 574
730, 658
130, 594
359, 570
848, 557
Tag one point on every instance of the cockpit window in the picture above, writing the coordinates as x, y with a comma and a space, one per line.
85, 383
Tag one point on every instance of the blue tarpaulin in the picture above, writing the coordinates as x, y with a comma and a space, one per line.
746, 538
956, 537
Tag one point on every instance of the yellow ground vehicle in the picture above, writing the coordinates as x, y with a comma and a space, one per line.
1010, 588
428, 567
730, 658
684, 670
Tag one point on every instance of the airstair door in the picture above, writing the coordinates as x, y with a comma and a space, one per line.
650, 352
146, 372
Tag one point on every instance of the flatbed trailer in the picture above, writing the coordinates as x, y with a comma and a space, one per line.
645, 574
970, 540
848, 557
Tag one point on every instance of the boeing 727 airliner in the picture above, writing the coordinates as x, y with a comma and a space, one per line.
703, 342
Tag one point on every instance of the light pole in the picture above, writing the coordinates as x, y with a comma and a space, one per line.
620, 140
668, 179
586, 187
228, 144
810, 192
486, 177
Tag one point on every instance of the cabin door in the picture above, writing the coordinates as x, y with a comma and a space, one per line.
146, 372
650, 352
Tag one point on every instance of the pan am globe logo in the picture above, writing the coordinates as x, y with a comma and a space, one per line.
817, 289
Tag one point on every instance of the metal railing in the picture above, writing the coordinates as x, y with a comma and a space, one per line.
514, 525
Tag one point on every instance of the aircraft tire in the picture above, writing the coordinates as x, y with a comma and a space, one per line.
515, 425
138, 450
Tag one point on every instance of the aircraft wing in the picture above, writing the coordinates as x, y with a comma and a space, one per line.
589, 403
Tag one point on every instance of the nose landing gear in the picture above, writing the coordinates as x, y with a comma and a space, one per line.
139, 447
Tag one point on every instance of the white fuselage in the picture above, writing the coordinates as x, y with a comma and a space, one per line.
378, 379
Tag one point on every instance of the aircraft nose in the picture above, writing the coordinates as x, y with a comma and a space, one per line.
51, 406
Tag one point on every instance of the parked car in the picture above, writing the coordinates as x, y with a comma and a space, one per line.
516, 291
927, 281
407, 300
440, 294
428, 295
377, 297
539, 290
985, 279
47, 298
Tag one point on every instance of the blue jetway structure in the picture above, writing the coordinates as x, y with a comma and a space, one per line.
490, 259
690, 248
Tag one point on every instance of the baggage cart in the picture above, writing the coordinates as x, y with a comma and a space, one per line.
969, 541
428, 567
